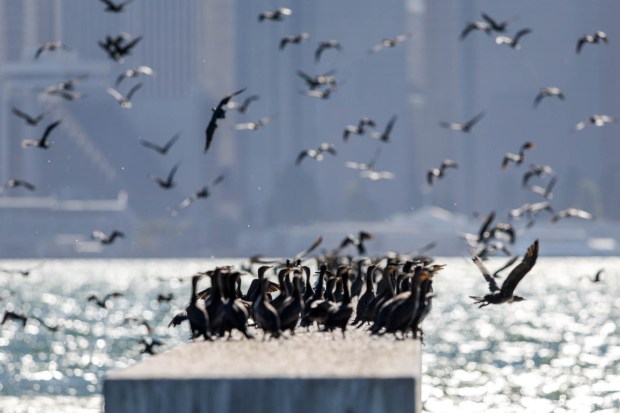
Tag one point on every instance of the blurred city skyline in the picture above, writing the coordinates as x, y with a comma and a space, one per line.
95, 176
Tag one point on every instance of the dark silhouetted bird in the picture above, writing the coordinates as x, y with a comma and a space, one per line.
385, 135
13, 316
23, 273
42, 143
517, 158
356, 241
30, 120
548, 91
17, 183
167, 183
591, 38
124, 101
219, 112
50, 47
164, 298
293, 38
242, 107
106, 239
513, 41
572, 212
328, 44
316, 154
595, 120
203, 192
103, 303
439, 172
160, 149
277, 15
462, 127
149, 345
130, 73
480, 26
392, 42
115, 7
505, 294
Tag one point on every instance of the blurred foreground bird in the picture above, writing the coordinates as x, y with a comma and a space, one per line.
30, 120
219, 112
517, 158
149, 345
103, 303
513, 42
505, 294
124, 101
477, 25
356, 241
591, 38
439, 172
43, 142
160, 149
358, 129
106, 239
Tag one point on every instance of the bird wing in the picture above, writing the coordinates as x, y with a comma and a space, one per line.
116, 94
508, 264
26, 185
474, 120
283, 42
22, 115
301, 157
487, 275
171, 142
29, 142
99, 235
226, 99
173, 171
490, 20
319, 52
48, 130
210, 132
308, 250
390, 125
152, 145
485, 226
582, 40
133, 90
520, 34
538, 98
517, 274
246, 103
431, 174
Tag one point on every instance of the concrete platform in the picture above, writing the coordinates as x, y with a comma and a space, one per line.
310, 372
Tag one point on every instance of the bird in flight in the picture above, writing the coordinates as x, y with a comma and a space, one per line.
203, 192
103, 303
358, 129
572, 212
517, 158
377, 175
591, 38
463, 127
439, 172
52, 46
42, 143
160, 149
124, 101
277, 15
219, 112
545, 191
293, 38
242, 107
595, 120
494, 25
481, 26
314, 82
316, 154
253, 125
16, 183
115, 7
548, 91
536, 170
140, 70
385, 135
30, 120
324, 45
356, 241
393, 42
505, 294
168, 183
513, 41
370, 166
106, 239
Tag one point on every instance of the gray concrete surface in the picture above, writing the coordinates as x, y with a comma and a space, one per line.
310, 372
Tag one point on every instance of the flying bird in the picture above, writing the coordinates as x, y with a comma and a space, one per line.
545, 191
591, 38
168, 183
505, 294
358, 129
253, 125
106, 239
130, 73
160, 149
370, 166
321, 94
43, 142
219, 112
480, 26
496, 26
16, 183
517, 158
572, 212
536, 170
124, 101
242, 107
114, 7
203, 192
13, 316
293, 38
548, 91
149, 346
314, 82
103, 303
324, 45
393, 42
316, 154
30, 120
462, 127
439, 172
513, 41
595, 120
52, 46
277, 15
356, 241
385, 135
69, 95
377, 175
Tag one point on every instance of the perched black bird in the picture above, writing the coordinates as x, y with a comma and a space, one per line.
548, 91
357, 241
328, 44
316, 154
517, 158
160, 149
572, 212
150, 345
168, 183
505, 294
51, 46
105, 239
513, 41
124, 101
104, 302
392, 42
43, 142
115, 8
277, 15
16, 183
462, 127
293, 38
219, 112
242, 107
591, 38
203, 192
595, 120
129, 73
385, 135
196, 313
439, 172
32, 121
481, 26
